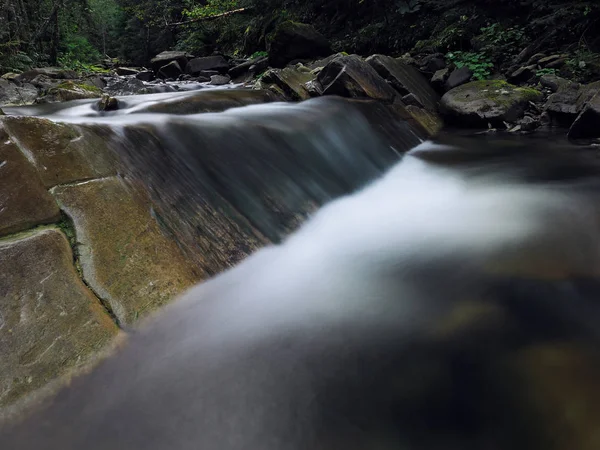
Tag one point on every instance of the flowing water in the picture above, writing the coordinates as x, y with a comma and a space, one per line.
445, 295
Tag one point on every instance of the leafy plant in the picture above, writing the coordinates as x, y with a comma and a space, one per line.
479, 63
546, 71
499, 42
259, 54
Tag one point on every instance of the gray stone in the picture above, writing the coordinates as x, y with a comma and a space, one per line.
289, 81
244, 68
24, 201
522, 74
219, 80
458, 77
146, 75
556, 83
11, 94
60, 153
438, 81
125, 71
568, 102
50, 322
293, 40
69, 90
406, 80
170, 70
545, 62
55, 73
197, 65
124, 256
479, 103
528, 123
587, 124
164, 58
351, 76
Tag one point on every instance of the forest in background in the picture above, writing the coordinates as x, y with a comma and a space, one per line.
483, 34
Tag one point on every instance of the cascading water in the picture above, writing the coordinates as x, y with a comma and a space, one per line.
442, 298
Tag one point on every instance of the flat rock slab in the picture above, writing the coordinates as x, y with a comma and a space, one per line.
406, 80
124, 257
24, 201
49, 321
61, 153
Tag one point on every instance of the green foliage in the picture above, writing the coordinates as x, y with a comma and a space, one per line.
78, 51
583, 64
259, 54
211, 8
546, 71
500, 43
479, 63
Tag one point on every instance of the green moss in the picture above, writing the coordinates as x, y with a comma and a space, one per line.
70, 86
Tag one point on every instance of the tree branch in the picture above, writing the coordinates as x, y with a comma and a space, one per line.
216, 16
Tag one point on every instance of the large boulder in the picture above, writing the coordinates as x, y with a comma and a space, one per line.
170, 70
587, 124
406, 80
197, 65
288, 82
56, 73
569, 101
252, 65
479, 103
70, 90
293, 40
164, 58
351, 76
11, 94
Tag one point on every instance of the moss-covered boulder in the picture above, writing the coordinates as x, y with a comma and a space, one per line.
293, 40
480, 103
70, 90
290, 81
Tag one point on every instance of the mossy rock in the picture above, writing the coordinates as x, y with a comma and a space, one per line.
480, 103
70, 90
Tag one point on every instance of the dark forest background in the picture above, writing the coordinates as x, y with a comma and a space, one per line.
80, 34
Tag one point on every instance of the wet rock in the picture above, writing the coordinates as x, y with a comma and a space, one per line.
217, 63
458, 77
127, 71
557, 64
556, 83
430, 122
170, 70
24, 200
438, 81
60, 153
208, 73
108, 103
351, 76
11, 76
289, 81
481, 102
126, 86
522, 74
535, 59
11, 94
55, 73
293, 40
70, 90
567, 103
202, 79
320, 63
164, 58
244, 68
95, 80
432, 63
146, 75
587, 124
406, 80
219, 80
529, 123
124, 257
50, 322
549, 60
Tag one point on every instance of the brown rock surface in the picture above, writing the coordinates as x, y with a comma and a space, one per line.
24, 202
49, 321
61, 153
124, 256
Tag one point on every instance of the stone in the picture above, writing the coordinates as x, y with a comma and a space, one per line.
55, 73
528, 123
480, 103
522, 74
126, 71
219, 80
438, 80
68, 91
43, 83
202, 79
350, 76
430, 122
124, 256
146, 75
24, 201
244, 68
535, 59
208, 73
108, 103
432, 63
406, 80
293, 40
96, 80
11, 94
11, 76
458, 77
411, 100
50, 322
557, 64
289, 81
587, 124
60, 153
170, 70
320, 63
126, 86
197, 65
555, 83
568, 102
164, 58
544, 62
